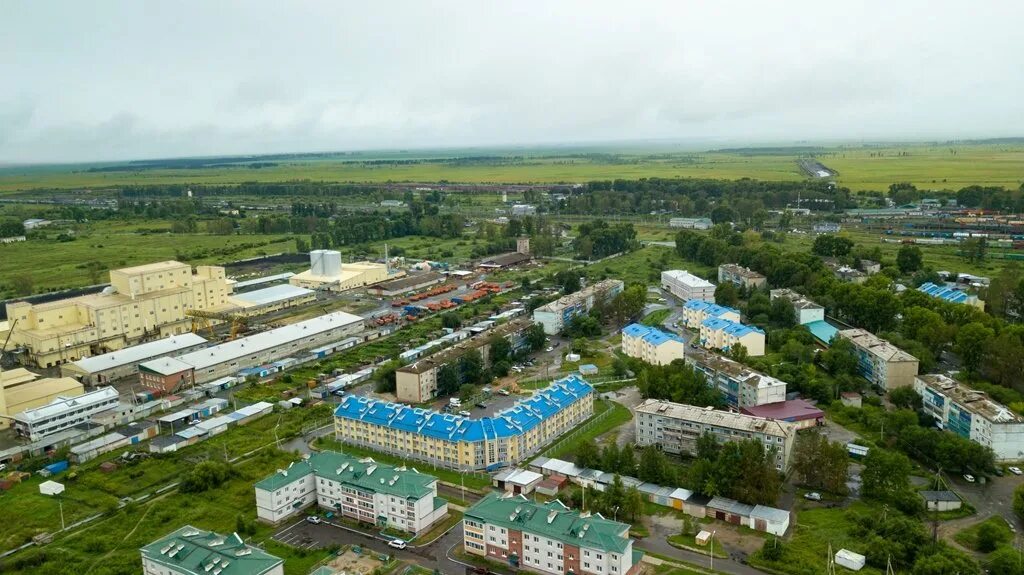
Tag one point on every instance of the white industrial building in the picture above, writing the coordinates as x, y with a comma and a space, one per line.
63, 413
125, 362
970, 414
231, 357
687, 286
326, 272
271, 299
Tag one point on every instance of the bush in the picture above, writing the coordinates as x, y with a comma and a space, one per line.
771, 550
205, 476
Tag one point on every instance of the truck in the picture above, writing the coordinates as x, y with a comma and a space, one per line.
54, 468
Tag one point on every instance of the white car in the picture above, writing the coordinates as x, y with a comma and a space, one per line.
549, 349
465, 413
397, 544
4, 466
313, 519
1013, 470
812, 496
969, 478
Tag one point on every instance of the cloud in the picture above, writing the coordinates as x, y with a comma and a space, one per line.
135, 80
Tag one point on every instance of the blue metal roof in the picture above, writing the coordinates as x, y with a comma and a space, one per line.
515, 420
943, 292
730, 327
822, 330
651, 335
709, 309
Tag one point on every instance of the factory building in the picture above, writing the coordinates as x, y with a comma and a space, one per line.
271, 299
191, 551
691, 223
740, 276
687, 286
233, 356
22, 390
417, 382
651, 344
547, 537
740, 385
63, 413
675, 428
361, 489
125, 362
558, 315
696, 311
142, 302
880, 362
462, 443
326, 272
410, 283
971, 414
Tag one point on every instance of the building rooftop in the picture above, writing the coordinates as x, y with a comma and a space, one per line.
971, 399
554, 520
949, 294
709, 309
152, 267
63, 404
410, 281
687, 278
263, 280
270, 295
876, 346
518, 476
458, 350
822, 330
651, 335
137, 353
276, 337
165, 366
939, 496
797, 299
790, 410
191, 550
364, 474
740, 271
503, 260
730, 327
715, 417
575, 297
710, 360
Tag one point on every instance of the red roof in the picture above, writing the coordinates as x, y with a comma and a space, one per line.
792, 410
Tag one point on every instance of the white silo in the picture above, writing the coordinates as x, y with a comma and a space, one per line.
332, 263
316, 262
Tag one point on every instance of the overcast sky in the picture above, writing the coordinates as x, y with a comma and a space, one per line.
126, 80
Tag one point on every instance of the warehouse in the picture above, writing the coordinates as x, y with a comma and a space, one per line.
410, 283
271, 299
327, 273
231, 357
125, 362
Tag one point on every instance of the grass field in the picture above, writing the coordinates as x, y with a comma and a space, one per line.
859, 167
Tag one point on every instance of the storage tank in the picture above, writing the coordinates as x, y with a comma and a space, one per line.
331, 263
316, 262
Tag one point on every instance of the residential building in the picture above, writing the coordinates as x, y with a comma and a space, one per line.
740, 385
740, 276
691, 223
142, 302
870, 267
651, 344
723, 334
63, 413
231, 357
125, 362
971, 414
462, 443
827, 228
362, 489
880, 362
327, 273
547, 537
523, 210
675, 428
687, 286
192, 551
166, 375
850, 275
804, 310
797, 411
558, 315
22, 390
417, 382
696, 311
951, 295
272, 299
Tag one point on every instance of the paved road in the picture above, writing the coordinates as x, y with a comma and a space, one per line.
660, 546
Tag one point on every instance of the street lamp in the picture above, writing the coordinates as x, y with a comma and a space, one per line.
711, 550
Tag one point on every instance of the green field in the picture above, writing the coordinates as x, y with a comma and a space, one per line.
859, 167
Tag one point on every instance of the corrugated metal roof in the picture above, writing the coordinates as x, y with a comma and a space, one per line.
271, 295
137, 353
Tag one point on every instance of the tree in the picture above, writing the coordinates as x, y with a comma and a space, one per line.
467, 391
782, 314
386, 377
840, 358
536, 337
447, 379
451, 320
771, 550
738, 353
909, 259
628, 304
633, 503
204, 476
820, 463
588, 456
831, 246
905, 398
653, 466
1005, 561
991, 535
726, 294
23, 284
568, 280
301, 245
945, 562
627, 461
1018, 501
610, 458
886, 474
95, 269
972, 343
500, 349
973, 250
471, 367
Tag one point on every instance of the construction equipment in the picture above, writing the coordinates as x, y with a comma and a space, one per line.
202, 320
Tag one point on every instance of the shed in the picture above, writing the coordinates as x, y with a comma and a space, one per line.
551, 485
165, 444
517, 481
730, 510
941, 500
215, 425
703, 538
850, 560
588, 369
769, 519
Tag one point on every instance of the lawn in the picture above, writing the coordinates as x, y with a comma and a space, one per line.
968, 537
590, 430
656, 317
644, 266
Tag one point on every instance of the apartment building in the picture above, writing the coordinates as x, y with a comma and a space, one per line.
696, 311
651, 344
63, 413
740, 385
463, 443
382, 495
547, 537
804, 310
687, 286
417, 382
142, 302
971, 414
558, 315
740, 276
675, 428
723, 334
691, 223
880, 362
192, 551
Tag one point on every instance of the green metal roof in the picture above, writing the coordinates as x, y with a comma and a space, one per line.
365, 474
552, 519
192, 550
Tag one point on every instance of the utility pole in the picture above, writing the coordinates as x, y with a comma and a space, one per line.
711, 550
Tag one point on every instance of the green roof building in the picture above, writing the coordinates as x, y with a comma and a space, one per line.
192, 551
548, 537
358, 488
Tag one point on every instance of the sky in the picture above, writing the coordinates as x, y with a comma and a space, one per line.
107, 80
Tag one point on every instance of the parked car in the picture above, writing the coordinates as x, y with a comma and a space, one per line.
504, 392
481, 405
3, 466
549, 349
465, 413
313, 519
397, 544
1015, 470
968, 478
813, 496
1000, 472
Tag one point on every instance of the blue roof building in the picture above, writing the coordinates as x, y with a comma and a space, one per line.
724, 334
696, 311
651, 344
951, 295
